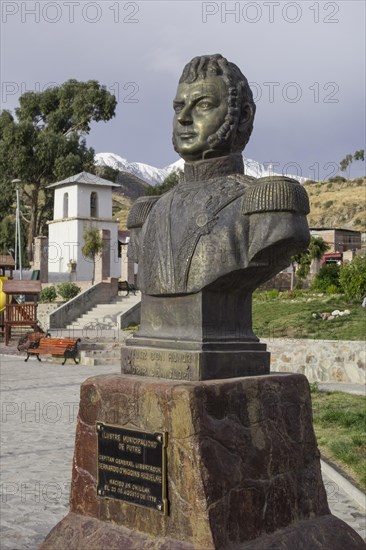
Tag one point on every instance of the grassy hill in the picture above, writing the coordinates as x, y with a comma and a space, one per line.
332, 204
131, 186
121, 206
124, 196
338, 204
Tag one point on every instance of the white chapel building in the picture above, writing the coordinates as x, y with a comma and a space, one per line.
80, 201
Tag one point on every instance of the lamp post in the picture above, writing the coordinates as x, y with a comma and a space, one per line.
17, 230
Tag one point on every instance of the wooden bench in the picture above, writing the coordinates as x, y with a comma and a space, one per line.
128, 287
25, 341
66, 347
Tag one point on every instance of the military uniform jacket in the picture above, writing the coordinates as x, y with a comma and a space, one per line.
216, 222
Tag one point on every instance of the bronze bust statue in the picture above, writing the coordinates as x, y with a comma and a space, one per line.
204, 246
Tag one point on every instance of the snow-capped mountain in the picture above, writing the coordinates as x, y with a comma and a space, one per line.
155, 176
150, 174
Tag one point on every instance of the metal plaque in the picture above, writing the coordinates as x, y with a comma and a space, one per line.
132, 466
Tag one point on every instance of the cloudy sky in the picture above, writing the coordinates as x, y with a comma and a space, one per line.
305, 61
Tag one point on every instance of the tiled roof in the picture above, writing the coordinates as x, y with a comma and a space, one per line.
86, 178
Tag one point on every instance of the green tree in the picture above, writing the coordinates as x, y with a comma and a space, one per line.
93, 245
7, 236
327, 276
169, 182
316, 249
347, 161
344, 163
359, 155
45, 142
7, 195
353, 278
7, 232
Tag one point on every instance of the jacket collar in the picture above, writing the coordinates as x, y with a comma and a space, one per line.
203, 170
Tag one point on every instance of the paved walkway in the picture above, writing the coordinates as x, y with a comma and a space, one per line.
39, 404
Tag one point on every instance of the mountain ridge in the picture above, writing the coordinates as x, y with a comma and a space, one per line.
155, 176
334, 204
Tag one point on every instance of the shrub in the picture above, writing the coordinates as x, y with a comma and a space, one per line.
332, 289
48, 294
67, 291
328, 204
337, 179
299, 284
353, 278
273, 293
291, 294
327, 276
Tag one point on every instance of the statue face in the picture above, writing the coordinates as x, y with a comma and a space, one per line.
200, 110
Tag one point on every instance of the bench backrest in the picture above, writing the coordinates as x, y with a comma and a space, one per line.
57, 342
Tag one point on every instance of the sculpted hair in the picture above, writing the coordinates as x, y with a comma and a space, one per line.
240, 98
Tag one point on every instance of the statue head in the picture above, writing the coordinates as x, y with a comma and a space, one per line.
214, 109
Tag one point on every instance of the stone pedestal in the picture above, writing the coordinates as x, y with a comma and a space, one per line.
215, 340
194, 360
243, 468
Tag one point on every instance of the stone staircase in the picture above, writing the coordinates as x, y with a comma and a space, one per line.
105, 316
100, 351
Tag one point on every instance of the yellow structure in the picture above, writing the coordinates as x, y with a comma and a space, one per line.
2, 295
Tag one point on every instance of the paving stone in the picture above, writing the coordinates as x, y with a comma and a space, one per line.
39, 404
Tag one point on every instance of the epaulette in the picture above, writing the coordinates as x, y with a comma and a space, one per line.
276, 193
140, 211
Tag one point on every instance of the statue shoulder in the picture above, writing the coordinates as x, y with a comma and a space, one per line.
140, 211
242, 179
276, 193
235, 186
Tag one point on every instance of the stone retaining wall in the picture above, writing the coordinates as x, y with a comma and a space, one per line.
320, 360
100, 293
43, 313
282, 281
